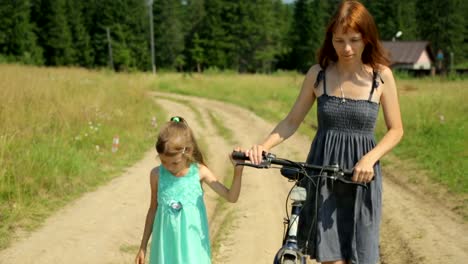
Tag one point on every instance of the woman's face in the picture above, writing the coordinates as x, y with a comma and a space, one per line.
348, 46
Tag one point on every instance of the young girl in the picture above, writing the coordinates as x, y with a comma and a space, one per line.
180, 230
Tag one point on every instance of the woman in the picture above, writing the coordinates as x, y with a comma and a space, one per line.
341, 223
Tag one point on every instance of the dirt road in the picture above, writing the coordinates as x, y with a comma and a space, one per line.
105, 226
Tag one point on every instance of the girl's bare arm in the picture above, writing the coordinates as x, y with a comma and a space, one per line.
230, 194
154, 177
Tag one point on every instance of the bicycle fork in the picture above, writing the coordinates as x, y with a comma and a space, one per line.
290, 252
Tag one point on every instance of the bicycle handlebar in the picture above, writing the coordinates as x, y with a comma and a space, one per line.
336, 172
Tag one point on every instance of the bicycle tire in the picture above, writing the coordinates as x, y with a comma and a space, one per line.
288, 259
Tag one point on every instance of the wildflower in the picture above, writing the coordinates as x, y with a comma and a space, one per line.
442, 119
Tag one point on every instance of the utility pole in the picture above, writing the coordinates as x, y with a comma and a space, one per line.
109, 46
150, 11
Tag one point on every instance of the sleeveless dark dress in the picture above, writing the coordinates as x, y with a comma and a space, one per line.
348, 216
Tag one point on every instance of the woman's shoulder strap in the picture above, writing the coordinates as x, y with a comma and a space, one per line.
376, 80
321, 77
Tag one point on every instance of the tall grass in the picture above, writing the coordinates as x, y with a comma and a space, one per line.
435, 118
57, 127
434, 113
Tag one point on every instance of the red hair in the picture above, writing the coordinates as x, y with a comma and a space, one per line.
353, 15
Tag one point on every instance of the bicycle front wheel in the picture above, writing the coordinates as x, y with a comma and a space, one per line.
287, 259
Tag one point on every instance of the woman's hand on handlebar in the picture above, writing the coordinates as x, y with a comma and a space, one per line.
255, 154
363, 171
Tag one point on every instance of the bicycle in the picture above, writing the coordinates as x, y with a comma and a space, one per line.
290, 253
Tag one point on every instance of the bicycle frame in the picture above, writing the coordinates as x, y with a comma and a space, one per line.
290, 250
290, 253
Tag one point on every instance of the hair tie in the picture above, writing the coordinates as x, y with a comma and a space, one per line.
176, 119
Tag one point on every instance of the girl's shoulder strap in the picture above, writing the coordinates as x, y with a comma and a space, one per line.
321, 77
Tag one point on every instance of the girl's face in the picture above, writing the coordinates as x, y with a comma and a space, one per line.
348, 46
174, 158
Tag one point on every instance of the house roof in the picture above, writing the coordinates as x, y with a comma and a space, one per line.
406, 51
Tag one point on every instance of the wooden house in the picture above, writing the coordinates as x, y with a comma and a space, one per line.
410, 55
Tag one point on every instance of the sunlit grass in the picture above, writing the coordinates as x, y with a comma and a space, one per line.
56, 133
435, 118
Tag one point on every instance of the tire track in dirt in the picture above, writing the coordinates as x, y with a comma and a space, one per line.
419, 230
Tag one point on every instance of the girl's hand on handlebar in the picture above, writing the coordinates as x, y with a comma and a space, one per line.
235, 161
255, 154
363, 171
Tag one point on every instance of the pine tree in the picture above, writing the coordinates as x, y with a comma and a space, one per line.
257, 35
197, 52
136, 21
406, 19
464, 59
99, 18
17, 39
168, 32
392, 16
307, 32
384, 13
283, 22
194, 11
53, 31
442, 23
213, 35
81, 42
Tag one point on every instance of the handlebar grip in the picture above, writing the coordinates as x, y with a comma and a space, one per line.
348, 173
239, 155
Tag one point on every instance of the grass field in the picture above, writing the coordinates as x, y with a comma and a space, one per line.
56, 133
57, 127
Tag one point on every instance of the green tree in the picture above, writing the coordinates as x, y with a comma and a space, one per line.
81, 42
392, 16
135, 19
442, 22
257, 36
213, 35
194, 12
100, 17
307, 32
168, 32
384, 13
197, 52
406, 19
283, 14
17, 39
53, 31
127, 21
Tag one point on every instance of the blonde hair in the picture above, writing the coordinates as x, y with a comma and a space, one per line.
178, 129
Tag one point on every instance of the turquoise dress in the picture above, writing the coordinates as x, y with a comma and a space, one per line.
180, 229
